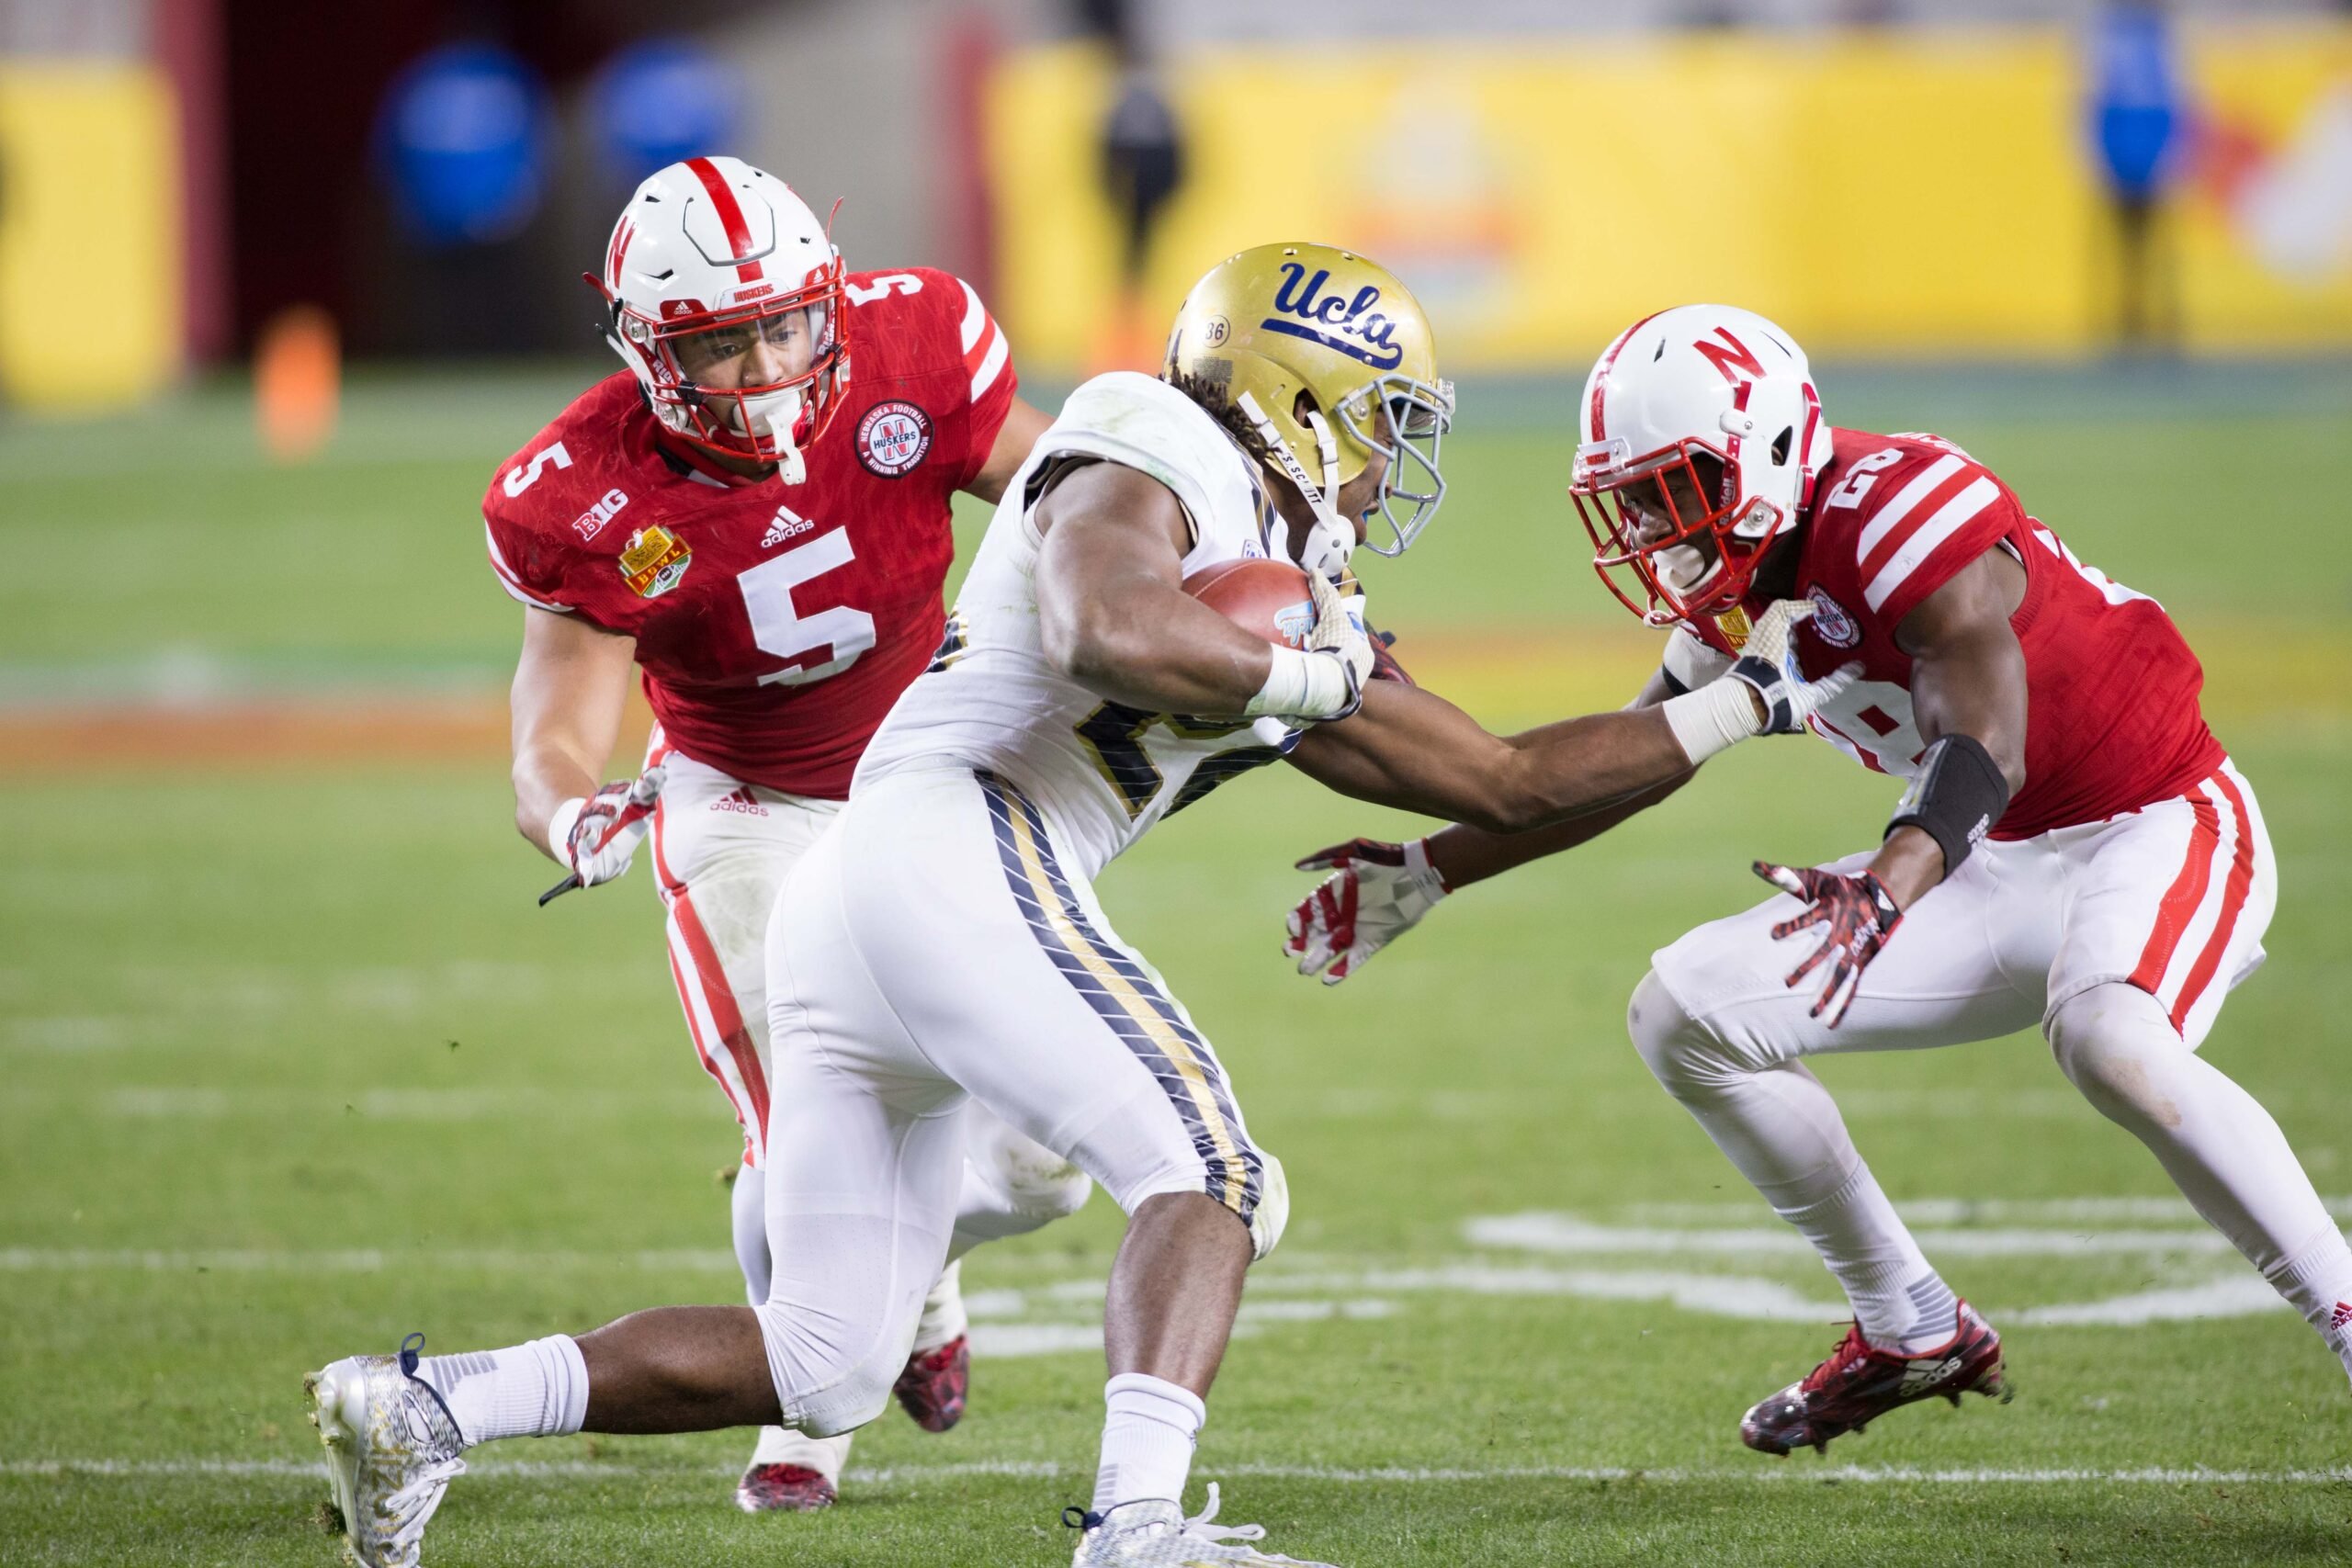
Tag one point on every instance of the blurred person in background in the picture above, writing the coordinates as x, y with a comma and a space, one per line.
756, 515
1142, 168
2073, 850
2137, 115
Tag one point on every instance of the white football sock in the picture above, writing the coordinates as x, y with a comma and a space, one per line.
782, 1445
1782, 1130
1148, 1438
2216, 1141
536, 1390
1899, 1301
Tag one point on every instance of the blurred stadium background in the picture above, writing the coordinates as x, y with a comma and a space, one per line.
289, 1063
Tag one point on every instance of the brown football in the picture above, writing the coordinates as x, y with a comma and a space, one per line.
1267, 597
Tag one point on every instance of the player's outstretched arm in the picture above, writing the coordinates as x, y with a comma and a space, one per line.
1376, 892
1115, 617
1410, 749
571, 686
1611, 766
1413, 749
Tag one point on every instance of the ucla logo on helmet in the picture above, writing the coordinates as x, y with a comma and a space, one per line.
1347, 324
1831, 624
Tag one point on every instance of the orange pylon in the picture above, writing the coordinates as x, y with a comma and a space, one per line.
298, 383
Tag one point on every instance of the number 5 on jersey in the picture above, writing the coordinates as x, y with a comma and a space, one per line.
779, 628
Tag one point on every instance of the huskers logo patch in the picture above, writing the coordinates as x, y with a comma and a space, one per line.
654, 560
1830, 622
893, 437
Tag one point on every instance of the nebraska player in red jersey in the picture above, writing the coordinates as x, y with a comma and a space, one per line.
756, 514
2073, 849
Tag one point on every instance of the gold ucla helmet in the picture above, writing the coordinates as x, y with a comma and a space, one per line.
1318, 359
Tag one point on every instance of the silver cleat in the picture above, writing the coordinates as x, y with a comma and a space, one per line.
1158, 1535
392, 1450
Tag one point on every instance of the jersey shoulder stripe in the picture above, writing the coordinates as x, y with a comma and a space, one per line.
985, 352
1904, 503
1924, 540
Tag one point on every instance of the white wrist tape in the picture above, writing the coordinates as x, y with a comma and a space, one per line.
1423, 872
1301, 685
560, 829
1715, 718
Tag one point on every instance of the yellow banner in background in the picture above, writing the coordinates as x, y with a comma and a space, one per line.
1897, 191
89, 234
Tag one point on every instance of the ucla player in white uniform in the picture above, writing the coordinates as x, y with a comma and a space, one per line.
943, 945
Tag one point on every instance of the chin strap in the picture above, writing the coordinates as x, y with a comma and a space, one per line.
1331, 539
780, 413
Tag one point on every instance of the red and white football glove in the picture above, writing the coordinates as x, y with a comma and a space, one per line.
596, 836
1859, 916
1376, 893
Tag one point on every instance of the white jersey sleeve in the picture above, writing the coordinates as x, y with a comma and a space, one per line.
1102, 771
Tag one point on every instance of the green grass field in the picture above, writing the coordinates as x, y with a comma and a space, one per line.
289, 1066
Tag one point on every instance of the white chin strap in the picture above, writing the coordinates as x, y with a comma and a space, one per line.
778, 412
1332, 538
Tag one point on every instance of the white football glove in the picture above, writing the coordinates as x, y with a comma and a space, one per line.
1324, 678
1723, 713
1376, 893
596, 836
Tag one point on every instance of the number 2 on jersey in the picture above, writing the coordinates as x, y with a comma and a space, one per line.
781, 629
1114, 733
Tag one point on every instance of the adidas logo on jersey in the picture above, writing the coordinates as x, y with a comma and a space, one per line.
787, 523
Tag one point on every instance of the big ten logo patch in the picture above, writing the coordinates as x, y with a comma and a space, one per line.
591, 523
893, 437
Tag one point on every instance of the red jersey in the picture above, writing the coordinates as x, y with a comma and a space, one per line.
2111, 714
776, 623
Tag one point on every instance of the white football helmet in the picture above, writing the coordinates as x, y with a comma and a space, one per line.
712, 259
1702, 438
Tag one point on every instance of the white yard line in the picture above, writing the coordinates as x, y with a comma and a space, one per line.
1563, 1233
1763, 1472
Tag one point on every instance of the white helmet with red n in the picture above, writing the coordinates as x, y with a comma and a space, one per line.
711, 259
1702, 438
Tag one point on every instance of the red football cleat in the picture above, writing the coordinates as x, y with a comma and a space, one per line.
935, 1382
783, 1489
1859, 1383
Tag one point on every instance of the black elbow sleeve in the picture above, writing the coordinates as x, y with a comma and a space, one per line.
1958, 795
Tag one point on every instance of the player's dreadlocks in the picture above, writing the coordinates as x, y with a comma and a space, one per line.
1213, 393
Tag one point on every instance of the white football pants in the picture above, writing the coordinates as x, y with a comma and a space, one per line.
721, 851
2118, 938
931, 951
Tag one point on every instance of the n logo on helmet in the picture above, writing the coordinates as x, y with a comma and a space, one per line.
1351, 326
1731, 352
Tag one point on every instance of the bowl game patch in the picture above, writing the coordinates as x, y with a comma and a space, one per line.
654, 560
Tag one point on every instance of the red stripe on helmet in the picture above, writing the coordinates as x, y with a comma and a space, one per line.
1597, 414
731, 215
623, 232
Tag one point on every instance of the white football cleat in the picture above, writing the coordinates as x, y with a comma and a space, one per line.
1158, 1535
392, 1450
